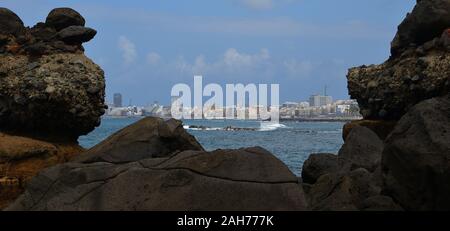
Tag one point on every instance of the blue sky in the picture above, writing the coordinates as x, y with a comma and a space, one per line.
145, 47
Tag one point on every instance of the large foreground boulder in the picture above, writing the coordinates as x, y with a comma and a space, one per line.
237, 180
415, 162
155, 164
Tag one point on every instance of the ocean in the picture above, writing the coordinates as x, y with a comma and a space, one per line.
290, 141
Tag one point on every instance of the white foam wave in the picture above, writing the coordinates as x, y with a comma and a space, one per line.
270, 126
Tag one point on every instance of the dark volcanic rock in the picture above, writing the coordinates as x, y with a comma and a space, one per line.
77, 34
341, 192
362, 149
61, 18
48, 88
419, 68
415, 163
238, 180
63, 32
10, 23
317, 165
50, 96
147, 138
426, 22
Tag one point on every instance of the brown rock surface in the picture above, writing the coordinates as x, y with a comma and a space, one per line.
21, 158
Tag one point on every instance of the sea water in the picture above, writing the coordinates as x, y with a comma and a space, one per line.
292, 142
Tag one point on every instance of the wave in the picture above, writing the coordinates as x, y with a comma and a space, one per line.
270, 126
201, 128
264, 126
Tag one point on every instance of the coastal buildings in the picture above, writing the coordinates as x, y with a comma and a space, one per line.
318, 107
320, 100
117, 101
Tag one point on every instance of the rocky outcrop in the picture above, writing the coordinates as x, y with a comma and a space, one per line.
416, 165
418, 69
47, 85
50, 94
21, 158
318, 164
397, 157
57, 96
186, 180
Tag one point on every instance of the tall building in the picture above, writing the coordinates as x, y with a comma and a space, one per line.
320, 100
117, 100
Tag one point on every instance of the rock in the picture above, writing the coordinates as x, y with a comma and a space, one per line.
317, 165
248, 179
76, 34
10, 23
381, 127
64, 32
341, 192
419, 68
426, 22
402, 83
362, 149
37, 102
415, 163
380, 203
150, 137
61, 18
21, 158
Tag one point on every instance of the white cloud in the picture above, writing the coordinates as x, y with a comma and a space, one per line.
231, 62
233, 59
128, 50
153, 58
258, 4
295, 68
